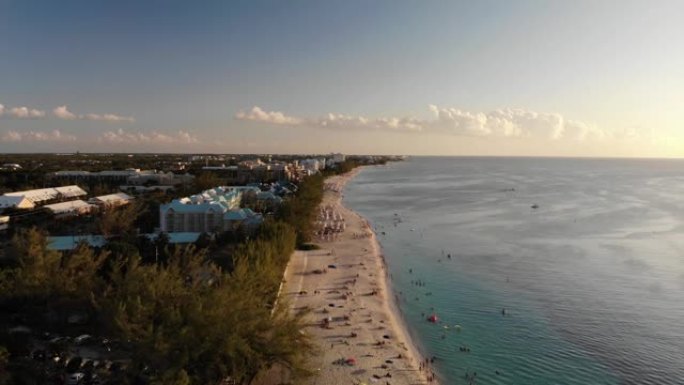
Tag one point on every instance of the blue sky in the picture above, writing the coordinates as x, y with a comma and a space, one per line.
580, 78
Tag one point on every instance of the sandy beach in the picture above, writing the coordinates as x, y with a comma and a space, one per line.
360, 336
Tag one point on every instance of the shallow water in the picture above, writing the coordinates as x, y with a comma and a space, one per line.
591, 280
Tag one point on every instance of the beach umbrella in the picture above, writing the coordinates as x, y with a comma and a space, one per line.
351, 361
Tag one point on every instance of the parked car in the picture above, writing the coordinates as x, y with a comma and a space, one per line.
75, 379
82, 339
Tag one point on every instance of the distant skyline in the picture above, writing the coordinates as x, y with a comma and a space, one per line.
599, 78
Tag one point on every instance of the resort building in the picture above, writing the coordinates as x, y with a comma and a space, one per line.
15, 202
254, 171
30, 198
213, 210
70, 208
145, 189
111, 200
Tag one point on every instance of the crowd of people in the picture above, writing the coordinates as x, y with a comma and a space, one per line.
330, 224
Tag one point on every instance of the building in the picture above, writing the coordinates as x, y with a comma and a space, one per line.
254, 171
145, 189
108, 176
40, 196
111, 200
151, 178
70, 208
4, 223
70, 242
213, 210
311, 165
15, 202
11, 166
132, 176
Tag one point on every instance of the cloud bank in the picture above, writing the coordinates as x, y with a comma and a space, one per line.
507, 122
39, 136
21, 112
61, 112
121, 136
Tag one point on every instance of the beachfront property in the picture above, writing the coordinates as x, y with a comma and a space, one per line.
213, 210
312, 165
254, 171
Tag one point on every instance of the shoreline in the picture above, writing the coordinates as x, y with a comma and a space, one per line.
353, 316
392, 301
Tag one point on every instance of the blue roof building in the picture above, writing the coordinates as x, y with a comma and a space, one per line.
212, 210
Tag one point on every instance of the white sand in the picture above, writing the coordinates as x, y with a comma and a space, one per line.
359, 271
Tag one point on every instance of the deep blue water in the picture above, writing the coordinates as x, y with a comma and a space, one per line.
592, 280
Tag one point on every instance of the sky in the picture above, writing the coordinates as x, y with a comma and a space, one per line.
600, 78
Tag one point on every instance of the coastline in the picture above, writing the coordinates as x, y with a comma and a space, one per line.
353, 317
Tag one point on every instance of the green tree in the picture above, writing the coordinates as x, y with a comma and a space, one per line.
119, 221
207, 180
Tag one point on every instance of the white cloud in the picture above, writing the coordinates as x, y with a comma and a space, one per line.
332, 121
362, 123
122, 136
110, 118
11, 136
21, 112
62, 112
506, 122
41, 136
274, 117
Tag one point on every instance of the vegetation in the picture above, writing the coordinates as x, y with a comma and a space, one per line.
188, 321
300, 211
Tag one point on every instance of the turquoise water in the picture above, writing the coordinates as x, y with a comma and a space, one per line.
591, 280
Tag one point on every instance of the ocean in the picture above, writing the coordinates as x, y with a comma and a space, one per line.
540, 270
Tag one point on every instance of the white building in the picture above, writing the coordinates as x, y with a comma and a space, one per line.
212, 210
17, 202
311, 165
11, 166
36, 197
111, 200
70, 208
